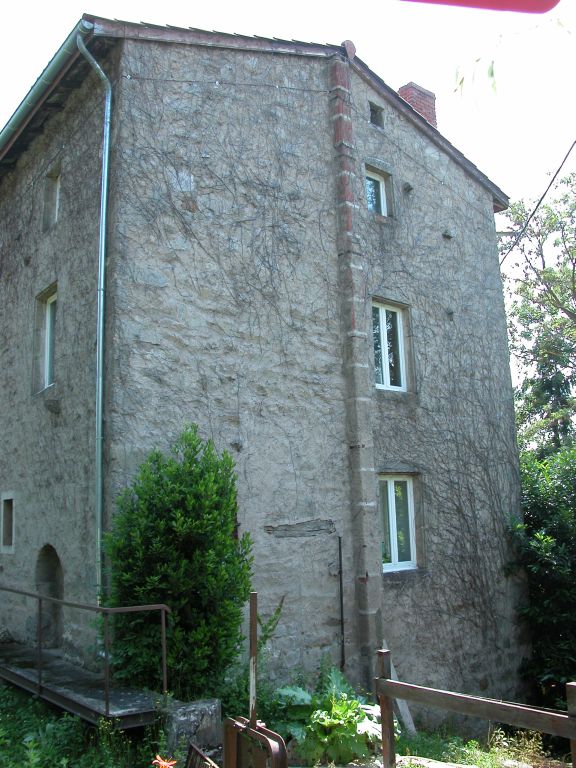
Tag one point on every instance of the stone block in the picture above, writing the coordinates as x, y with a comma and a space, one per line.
197, 721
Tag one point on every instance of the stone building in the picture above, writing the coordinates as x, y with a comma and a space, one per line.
293, 257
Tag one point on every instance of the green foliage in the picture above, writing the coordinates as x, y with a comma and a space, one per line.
341, 732
546, 542
330, 724
522, 746
543, 318
34, 735
173, 541
234, 691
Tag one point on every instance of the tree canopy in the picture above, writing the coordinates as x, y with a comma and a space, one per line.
543, 318
543, 338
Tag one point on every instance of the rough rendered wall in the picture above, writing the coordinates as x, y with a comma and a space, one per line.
224, 292
241, 252
450, 622
47, 447
225, 310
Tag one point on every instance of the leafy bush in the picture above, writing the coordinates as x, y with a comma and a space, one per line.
547, 550
173, 541
330, 725
32, 734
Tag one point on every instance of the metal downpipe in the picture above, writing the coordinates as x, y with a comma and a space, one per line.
99, 458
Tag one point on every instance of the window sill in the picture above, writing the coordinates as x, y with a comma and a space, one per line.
381, 219
405, 396
399, 568
382, 388
402, 577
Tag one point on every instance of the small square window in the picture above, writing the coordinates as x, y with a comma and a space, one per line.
389, 350
397, 513
376, 115
51, 198
45, 338
379, 193
7, 523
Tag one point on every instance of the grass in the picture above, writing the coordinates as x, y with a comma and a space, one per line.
34, 735
521, 746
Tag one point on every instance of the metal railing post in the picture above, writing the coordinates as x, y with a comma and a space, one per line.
253, 656
54, 601
164, 664
384, 669
571, 706
39, 640
106, 665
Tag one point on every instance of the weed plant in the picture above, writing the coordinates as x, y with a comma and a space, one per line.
522, 746
329, 723
33, 735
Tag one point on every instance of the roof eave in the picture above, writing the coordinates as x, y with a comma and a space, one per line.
92, 27
48, 80
500, 199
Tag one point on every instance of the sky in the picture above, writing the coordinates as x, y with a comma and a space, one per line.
516, 126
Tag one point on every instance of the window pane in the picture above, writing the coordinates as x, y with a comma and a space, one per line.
385, 512
51, 199
393, 342
49, 351
7, 523
402, 520
377, 346
373, 195
376, 116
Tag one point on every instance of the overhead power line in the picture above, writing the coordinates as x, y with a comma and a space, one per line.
528, 220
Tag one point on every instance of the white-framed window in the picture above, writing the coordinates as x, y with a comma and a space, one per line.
51, 198
389, 349
49, 336
7, 523
45, 338
379, 192
398, 527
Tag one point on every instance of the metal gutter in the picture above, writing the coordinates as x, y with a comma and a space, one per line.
64, 58
99, 458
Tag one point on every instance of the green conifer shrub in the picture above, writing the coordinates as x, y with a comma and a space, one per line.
173, 540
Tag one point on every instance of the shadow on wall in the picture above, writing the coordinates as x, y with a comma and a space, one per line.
49, 582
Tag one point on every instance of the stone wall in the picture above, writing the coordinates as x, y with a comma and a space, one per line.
229, 313
47, 450
452, 621
243, 261
224, 288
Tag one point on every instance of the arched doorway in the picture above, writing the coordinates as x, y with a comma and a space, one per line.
50, 582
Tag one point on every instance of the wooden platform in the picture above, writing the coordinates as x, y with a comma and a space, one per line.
75, 689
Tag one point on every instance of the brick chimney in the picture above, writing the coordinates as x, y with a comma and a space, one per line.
421, 100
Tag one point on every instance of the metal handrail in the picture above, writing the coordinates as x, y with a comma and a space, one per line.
106, 611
